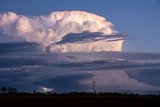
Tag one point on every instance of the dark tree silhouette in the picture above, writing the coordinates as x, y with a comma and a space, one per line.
34, 91
11, 90
3, 89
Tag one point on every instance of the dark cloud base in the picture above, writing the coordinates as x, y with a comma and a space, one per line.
27, 67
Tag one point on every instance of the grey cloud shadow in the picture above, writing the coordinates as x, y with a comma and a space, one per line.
102, 64
66, 83
148, 75
89, 36
18, 47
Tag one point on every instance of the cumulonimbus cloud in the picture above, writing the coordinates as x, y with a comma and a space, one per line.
117, 80
52, 28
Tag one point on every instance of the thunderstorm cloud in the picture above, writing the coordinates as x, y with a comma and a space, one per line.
50, 29
68, 50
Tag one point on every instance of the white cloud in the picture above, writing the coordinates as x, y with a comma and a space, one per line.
51, 28
24, 68
45, 89
116, 80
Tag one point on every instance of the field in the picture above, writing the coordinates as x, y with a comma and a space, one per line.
78, 100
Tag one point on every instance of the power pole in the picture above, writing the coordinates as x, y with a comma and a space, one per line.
93, 86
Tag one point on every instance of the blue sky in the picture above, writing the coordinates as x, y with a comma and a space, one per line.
138, 18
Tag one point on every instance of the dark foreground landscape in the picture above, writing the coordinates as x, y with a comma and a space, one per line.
78, 100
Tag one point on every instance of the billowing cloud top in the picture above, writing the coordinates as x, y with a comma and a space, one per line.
50, 29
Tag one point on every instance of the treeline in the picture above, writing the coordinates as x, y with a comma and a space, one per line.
5, 89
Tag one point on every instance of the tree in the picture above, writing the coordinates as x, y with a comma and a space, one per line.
4, 89
11, 90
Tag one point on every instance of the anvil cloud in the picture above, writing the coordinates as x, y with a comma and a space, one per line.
51, 29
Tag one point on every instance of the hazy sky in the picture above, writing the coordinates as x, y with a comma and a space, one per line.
140, 19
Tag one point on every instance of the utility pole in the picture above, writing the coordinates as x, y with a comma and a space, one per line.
93, 86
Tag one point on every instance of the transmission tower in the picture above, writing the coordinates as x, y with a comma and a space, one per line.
93, 86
